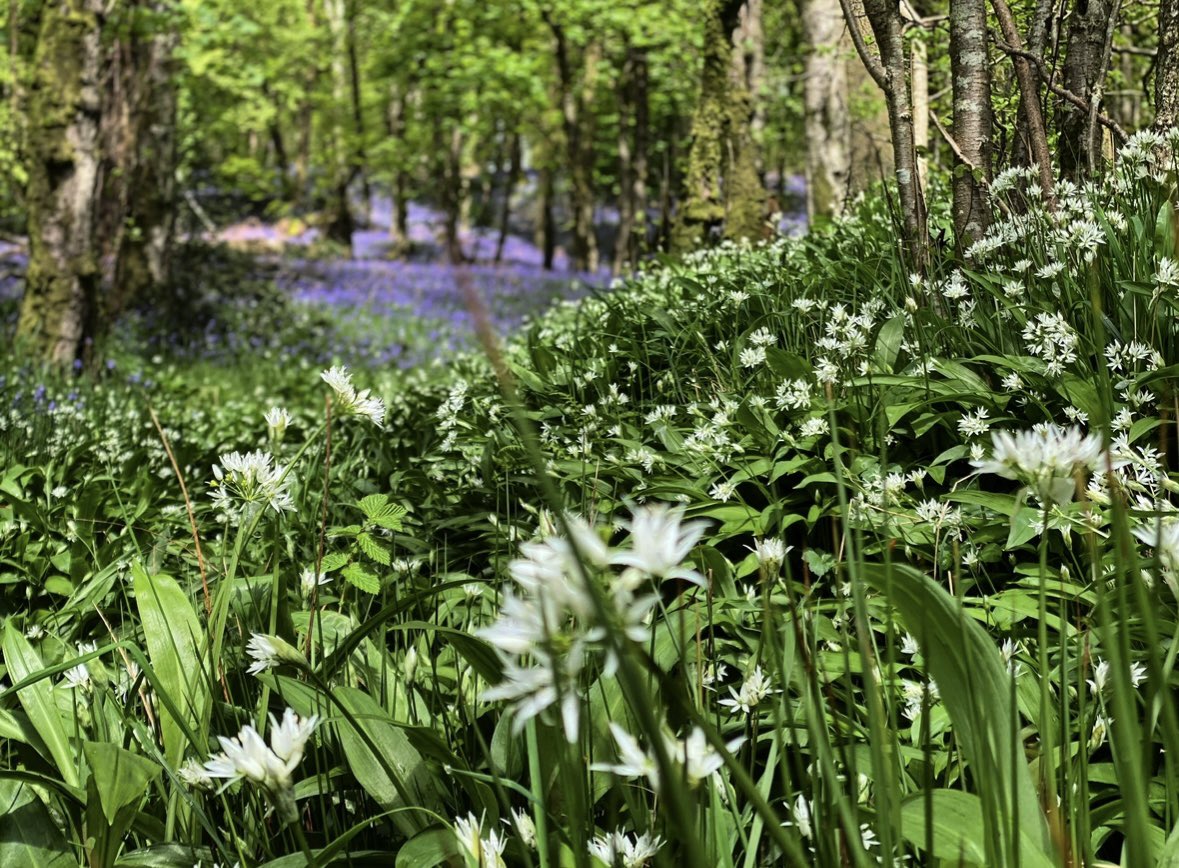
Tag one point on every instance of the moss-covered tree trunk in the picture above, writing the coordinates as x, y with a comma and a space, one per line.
723, 192
138, 195
1166, 69
58, 313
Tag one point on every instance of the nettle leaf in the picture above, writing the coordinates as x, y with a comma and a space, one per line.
362, 578
389, 517
373, 504
375, 550
332, 562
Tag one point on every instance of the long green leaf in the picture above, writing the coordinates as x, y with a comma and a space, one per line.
975, 689
174, 640
28, 836
37, 699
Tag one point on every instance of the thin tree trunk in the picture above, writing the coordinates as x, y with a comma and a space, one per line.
919, 78
515, 165
626, 202
338, 221
890, 73
452, 195
971, 74
1038, 31
548, 223
640, 84
1166, 68
1083, 72
58, 312
745, 196
827, 116
399, 218
578, 143
359, 153
1037, 132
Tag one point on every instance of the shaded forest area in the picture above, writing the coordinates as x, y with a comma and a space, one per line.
605, 130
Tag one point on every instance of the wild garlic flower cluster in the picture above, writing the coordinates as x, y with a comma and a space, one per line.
695, 758
1049, 336
477, 849
1049, 459
350, 402
248, 757
247, 482
550, 624
619, 849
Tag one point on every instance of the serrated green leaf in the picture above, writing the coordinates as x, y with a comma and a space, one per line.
373, 504
362, 578
375, 550
332, 562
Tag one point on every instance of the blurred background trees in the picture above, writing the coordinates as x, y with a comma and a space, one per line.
605, 130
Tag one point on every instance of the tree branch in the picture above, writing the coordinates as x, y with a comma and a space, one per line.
1063, 92
871, 63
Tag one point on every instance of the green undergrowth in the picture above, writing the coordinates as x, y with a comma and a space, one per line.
816, 609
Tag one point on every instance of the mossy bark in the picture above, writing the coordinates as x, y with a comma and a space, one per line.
724, 195
1166, 74
58, 313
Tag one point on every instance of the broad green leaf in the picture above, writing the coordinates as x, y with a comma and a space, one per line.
381, 757
959, 836
975, 690
174, 639
427, 849
888, 342
28, 836
22, 662
120, 776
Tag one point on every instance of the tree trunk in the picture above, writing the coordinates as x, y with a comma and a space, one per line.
515, 166
58, 313
640, 84
971, 74
547, 222
358, 153
890, 73
1037, 39
1166, 68
745, 196
1083, 72
576, 119
827, 116
452, 193
338, 223
146, 167
399, 218
626, 202
723, 188
919, 66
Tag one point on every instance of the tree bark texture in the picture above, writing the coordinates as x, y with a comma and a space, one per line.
58, 312
827, 113
891, 74
724, 193
971, 73
577, 120
1166, 69
142, 169
1083, 72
